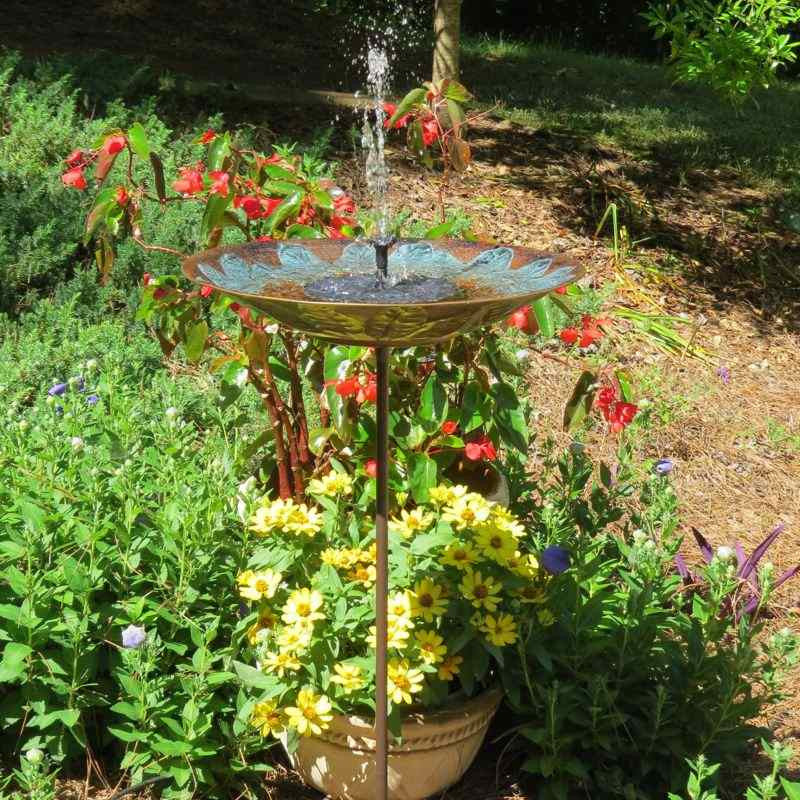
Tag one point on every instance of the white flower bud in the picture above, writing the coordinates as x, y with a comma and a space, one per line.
171, 412
23, 424
272, 329
34, 755
91, 364
725, 553
523, 355
51, 401
76, 442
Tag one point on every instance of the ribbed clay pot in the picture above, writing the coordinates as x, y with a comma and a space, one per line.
435, 751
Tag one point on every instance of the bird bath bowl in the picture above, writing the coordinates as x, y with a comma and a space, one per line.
402, 293
472, 285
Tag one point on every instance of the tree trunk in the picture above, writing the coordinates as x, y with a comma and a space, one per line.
447, 32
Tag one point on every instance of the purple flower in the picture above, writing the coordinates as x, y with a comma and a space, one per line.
724, 374
57, 390
663, 466
92, 400
133, 637
555, 559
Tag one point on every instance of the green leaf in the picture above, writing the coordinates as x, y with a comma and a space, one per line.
280, 188
133, 711
218, 151
318, 438
414, 97
434, 405
298, 231
323, 200
624, 385
580, 403
287, 208
543, 311
196, 341
335, 358
138, 140
13, 664
277, 173
103, 202
440, 230
791, 788
212, 217
509, 417
423, 475
250, 676
457, 91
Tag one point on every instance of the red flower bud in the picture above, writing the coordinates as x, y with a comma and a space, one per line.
113, 144
519, 319
121, 196
430, 131
347, 387
74, 178
561, 290
371, 468
234, 307
449, 427
220, 182
146, 278
74, 158
206, 290
208, 136
159, 293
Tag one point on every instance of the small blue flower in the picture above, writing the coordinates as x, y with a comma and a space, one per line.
133, 637
555, 559
57, 390
92, 400
663, 466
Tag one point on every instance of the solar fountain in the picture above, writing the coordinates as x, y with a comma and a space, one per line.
382, 293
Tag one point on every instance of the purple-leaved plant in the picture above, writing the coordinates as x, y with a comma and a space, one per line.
746, 569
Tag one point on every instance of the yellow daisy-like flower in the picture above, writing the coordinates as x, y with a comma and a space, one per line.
481, 592
460, 556
431, 646
243, 578
303, 607
503, 519
311, 715
468, 511
532, 593
294, 639
349, 677
363, 574
397, 634
412, 522
445, 495
404, 681
496, 544
335, 558
526, 566
546, 617
427, 600
259, 584
281, 663
500, 630
266, 620
399, 606
331, 485
449, 668
285, 516
370, 555
267, 718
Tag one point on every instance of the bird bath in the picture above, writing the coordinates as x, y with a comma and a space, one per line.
383, 294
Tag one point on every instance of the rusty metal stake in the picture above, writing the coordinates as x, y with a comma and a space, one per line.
382, 578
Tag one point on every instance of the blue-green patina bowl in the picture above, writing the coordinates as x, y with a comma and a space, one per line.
493, 280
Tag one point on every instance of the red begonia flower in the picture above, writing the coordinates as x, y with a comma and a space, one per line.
74, 158
113, 144
220, 182
569, 335
74, 178
208, 136
449, 427
190, 181
121, 196
206, 290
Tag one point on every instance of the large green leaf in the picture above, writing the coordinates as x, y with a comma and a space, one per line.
509, 417
457, 92
277, 173
298, 231
196, 341
103, 202
423, 475
218, 151
13, 665
288, 207
339, 407
433, 404
543, 310
580, 403
138, 140
212, 218
414, 97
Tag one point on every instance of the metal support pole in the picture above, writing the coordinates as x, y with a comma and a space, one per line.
382, 578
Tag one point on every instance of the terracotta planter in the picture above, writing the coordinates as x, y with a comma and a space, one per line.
435, 751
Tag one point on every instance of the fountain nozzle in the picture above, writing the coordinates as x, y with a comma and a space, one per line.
382, 245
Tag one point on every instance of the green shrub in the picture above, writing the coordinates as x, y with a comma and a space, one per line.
116, 512
633, 680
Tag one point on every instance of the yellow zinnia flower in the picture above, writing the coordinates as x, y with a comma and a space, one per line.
331, 485
459, 556
267, 718
412, 522
449, 668
349, 677
302, 607
266, 620
503, 519
481, 592
304, 521
294, 639
468, 511
285, 516
311, 715
445, 495
259, 584
497, 545
500, 630
403, 681
427, 601
527, 566
397, 634
363, 574
399, 606
281, 663
431, 646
